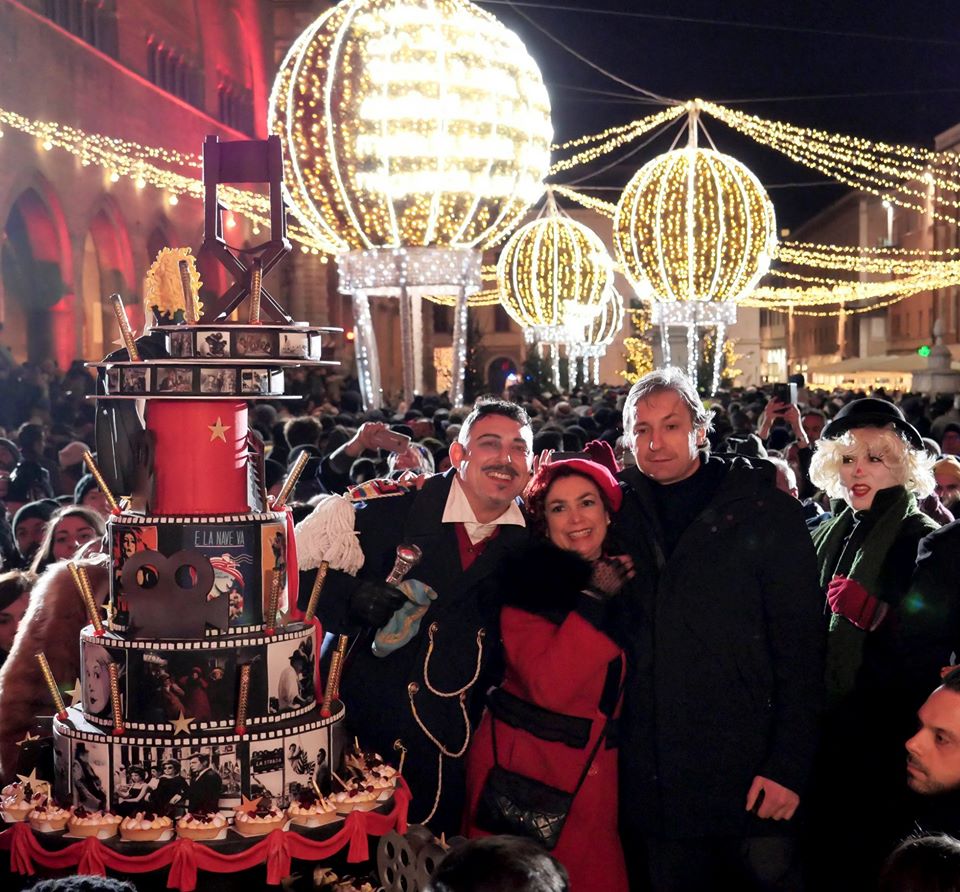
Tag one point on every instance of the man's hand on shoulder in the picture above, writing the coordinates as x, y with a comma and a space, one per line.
777, 802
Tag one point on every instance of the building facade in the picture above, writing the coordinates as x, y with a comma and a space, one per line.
162, 73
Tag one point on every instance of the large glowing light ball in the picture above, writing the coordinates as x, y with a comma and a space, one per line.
410, 123
694, 225
553, 274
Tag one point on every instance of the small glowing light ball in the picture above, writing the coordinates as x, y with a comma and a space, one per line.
694, 225
607, 323
554, 272
410, 123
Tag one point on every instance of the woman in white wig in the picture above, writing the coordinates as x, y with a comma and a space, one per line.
872, 463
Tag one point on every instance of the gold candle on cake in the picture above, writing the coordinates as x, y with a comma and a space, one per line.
342, 642
82, 582
95, 472
291, 481
273, 605
256, 281
52, 685
189, 304
125, 333
241, 727
315, 591
332, 683
115, 698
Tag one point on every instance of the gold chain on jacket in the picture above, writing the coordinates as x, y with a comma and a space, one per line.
461, 694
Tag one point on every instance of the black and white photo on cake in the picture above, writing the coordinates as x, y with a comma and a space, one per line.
181, 343
90, 774
290, 672
214, 343
174, 380
218, 380
293, 344
96, 678
255, 381
252, 343
306, 763
266, 771
133, 379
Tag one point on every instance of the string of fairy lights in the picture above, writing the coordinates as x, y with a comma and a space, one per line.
917, 179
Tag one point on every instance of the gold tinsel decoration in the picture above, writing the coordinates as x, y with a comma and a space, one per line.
164, 291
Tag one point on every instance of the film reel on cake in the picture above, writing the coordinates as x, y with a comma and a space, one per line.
406, 863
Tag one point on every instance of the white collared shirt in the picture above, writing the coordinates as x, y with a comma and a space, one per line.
458, 510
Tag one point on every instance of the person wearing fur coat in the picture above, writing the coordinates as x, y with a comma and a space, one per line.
52, 624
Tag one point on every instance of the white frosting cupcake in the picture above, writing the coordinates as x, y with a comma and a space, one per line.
311, 811
145, 826
259, 822
201, 825
103, 824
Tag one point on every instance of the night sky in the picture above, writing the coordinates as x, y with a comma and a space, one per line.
900, 59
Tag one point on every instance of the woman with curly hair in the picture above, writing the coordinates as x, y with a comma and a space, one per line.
881, 663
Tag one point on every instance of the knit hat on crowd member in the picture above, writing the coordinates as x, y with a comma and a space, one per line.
541, 482
42, 509
28, 482
870, 412
86, 483
72, 454
10, 463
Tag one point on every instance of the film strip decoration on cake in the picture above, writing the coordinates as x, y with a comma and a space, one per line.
213, 362
162, 682
192, 576
210, 771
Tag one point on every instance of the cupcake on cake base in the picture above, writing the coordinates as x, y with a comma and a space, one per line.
383, 780
356, 797
48, 817
310, 810
145, 827
102, 824
258, 820
16, 802
201, 825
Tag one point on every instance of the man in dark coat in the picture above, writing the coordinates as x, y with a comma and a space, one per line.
726, 657
424, 682
205, 784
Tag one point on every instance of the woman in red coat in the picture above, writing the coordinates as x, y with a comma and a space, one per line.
563, 676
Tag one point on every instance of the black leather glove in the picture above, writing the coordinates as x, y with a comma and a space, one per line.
373, 603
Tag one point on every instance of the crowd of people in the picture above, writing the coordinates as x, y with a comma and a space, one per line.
677, 644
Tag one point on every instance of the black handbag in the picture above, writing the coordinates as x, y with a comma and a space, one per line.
521, 806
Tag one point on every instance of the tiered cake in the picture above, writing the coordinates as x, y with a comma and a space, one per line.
200, 690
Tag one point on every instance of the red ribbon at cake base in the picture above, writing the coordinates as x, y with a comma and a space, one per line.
185, 858
200, 457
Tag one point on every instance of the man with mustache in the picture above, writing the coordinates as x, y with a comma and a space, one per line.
426, 688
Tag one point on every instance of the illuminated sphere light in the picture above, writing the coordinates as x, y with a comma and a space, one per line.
553, 273
410, 123
607, 323
694, 225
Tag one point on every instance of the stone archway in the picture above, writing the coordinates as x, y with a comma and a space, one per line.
107, 269
35, 263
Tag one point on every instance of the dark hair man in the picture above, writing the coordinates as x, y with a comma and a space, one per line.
499, 864
726, 669
464, 521
205, 784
